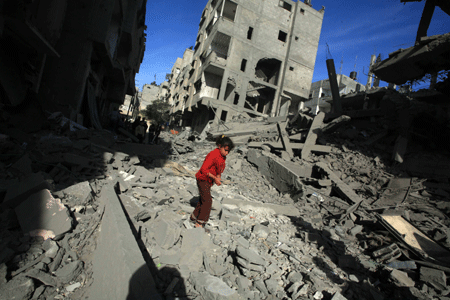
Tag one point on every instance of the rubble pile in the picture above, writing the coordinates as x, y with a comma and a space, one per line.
311, 208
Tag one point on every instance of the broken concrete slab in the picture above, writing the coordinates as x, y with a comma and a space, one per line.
335, 124
167, 233
401, 278
434, 277
20, 287
282, 175
81, 191
129, 276
250, 256
342, 188
314, 131
287, 210
19, 192
296, 146
212, 288
285, 139
194, 242
42, 215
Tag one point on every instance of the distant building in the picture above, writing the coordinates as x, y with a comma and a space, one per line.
250, 57
77, 57
320, 94
149, 94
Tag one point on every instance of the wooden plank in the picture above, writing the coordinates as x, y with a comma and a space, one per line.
343, 188
279, 146
285, 138
312, 135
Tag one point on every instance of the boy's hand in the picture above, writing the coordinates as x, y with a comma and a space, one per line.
217, 181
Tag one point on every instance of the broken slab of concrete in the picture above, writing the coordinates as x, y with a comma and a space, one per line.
296, 146
314, 131
42, 215
129, 275
287, 210
282, 175
434, 277
212, 288
335, 124
341, 186
19, 192
284, 137
81, 191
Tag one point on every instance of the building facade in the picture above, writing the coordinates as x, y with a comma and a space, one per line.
78, 57
253, 57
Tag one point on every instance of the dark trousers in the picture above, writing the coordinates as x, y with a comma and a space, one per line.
203, 208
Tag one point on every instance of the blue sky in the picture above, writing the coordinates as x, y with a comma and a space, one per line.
354, 30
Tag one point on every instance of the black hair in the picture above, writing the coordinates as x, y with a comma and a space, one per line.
224, 141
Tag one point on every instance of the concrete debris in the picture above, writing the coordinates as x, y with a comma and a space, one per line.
434, 277
44, 216
281, 227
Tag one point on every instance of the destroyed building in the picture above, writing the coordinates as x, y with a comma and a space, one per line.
252, 57
321, 91
76, 57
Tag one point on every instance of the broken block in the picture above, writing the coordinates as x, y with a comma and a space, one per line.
211, 287
167, 233
434, 277
42, 215
250, 256
81, 191
401, 278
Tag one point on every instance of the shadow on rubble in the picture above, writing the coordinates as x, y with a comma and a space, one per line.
41, 152
167, 280
360, 277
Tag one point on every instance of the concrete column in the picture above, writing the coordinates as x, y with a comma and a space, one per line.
223, 85
337, 106
283, 68
369, 76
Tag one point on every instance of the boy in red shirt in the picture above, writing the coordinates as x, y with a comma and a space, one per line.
210, 173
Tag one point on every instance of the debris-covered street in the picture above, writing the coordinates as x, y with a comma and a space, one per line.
345, 222
252, 171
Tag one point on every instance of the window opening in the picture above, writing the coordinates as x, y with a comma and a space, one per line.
223, 116
291, 68
229, 10
285, 5
249, 33
236, 99
282, 36
243, 65
302, 11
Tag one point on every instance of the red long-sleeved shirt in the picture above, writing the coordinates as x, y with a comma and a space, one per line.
214, 163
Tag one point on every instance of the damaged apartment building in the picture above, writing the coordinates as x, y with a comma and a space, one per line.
251, 57
77, 57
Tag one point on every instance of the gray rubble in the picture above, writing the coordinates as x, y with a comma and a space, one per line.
279, 229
